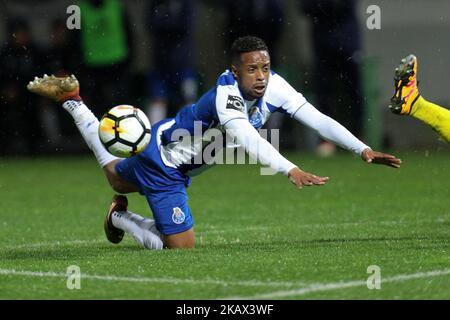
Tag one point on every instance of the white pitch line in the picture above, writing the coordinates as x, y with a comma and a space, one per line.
250, 283
316, 287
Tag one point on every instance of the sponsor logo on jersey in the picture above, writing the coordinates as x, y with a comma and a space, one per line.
236, 103
178, 216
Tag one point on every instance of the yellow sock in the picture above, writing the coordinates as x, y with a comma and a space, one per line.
435, 116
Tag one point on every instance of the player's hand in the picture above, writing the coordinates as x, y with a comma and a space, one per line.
301, 178
370, 156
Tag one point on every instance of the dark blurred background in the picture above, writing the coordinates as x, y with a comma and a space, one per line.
162, 54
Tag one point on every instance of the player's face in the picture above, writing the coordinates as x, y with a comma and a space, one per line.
252, 73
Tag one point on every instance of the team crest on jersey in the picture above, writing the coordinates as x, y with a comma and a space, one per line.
255, 118
178, 216
236, 103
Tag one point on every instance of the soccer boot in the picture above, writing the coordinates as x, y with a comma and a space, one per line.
406, 90
119, 203
58, 89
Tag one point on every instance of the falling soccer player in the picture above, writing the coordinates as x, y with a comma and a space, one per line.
240, 103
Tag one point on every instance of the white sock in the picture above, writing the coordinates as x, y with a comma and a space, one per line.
87, 124
142, 229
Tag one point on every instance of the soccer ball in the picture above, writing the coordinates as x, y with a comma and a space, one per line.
124, 131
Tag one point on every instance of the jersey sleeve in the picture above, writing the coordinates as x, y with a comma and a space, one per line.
257, 147
229, 104
281, 96
329, 129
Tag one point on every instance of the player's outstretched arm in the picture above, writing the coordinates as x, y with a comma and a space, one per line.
260, 149
376, 157
301, 178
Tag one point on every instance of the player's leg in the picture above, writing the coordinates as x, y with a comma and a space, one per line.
120, 220
172, 227
173, 217
408, 101
165, 191
182, 240
116, 181
65, 90
435, 116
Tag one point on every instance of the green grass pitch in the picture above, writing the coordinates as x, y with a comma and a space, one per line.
258, 237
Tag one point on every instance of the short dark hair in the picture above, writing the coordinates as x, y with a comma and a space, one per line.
246, 44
